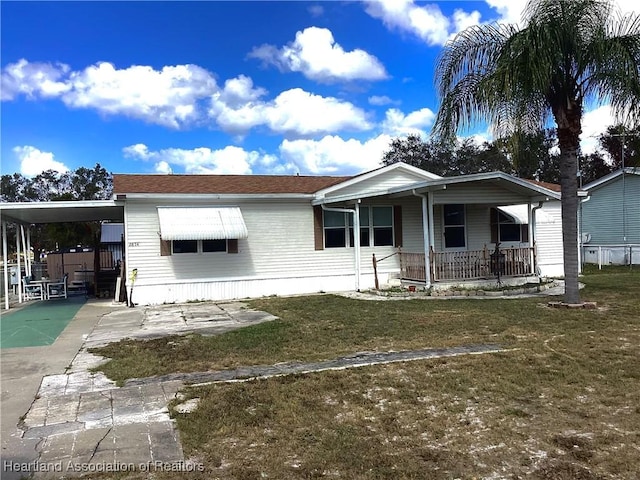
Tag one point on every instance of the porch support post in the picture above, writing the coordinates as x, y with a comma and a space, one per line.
426, 234
29, 250
27, 253
19, 265
356, 241
5, 261
532, 234
432, 240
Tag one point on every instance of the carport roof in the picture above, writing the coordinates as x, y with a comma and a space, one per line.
57, 212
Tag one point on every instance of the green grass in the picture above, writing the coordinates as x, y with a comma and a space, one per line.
564, 404
327, 326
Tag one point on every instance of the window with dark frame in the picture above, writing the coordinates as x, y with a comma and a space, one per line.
508, 229
198, 246
454, 226
376, 227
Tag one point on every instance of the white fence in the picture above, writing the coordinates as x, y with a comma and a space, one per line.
628, 254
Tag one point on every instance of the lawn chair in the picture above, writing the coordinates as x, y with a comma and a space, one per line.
58, 289
32, 291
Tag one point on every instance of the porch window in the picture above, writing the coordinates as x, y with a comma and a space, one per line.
376, 227
508, 229
454, 226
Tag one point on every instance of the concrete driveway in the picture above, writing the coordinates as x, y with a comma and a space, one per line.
58, 419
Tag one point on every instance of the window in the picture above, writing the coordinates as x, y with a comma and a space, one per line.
376, 227
335, 229
198, 246
508, 229
454, 226
214, 246
185, 246
382, 226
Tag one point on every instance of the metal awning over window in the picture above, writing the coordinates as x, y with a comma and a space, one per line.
201, 223
519, 214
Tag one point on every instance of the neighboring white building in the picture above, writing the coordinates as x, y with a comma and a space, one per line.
212, 237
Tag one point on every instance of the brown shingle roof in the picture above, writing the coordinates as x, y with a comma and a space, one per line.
551, 186
223, 184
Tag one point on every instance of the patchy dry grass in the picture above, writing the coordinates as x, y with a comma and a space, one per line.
564, 405
326, 326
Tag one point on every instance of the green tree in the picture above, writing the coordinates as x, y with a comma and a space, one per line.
50, 185
569, 52
592, 167
417, 152
469, 157
622, 145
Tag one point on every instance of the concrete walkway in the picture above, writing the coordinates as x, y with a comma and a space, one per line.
58, 418
73, 421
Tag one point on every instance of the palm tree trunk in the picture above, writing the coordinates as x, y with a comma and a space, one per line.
569, 201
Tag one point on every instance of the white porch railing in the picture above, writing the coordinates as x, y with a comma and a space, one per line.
467, 265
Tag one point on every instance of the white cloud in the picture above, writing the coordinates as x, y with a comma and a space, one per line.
162, 167
380, 100
33, 80
228, 160
594, 123
293, 112
333, 155
627, 6
509, 11
177, 97
427, 22
463, 20
34, 161
166, 97
397, 123
300, 112
317, 55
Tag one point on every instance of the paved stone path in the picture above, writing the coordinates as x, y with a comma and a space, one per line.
85, 423
361, 359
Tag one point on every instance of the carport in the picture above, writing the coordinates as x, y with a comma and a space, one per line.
25, 214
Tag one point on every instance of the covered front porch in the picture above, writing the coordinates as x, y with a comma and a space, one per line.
468, 265
443, 230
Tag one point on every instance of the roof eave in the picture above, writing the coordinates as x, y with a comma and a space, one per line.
216, 196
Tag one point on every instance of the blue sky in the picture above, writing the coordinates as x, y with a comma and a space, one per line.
226, 87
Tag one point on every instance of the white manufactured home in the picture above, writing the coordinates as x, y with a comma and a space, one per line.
211, 237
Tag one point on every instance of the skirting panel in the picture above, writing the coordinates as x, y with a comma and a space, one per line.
248, 288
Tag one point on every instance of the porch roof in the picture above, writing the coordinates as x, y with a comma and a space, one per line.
517, 185
529, 191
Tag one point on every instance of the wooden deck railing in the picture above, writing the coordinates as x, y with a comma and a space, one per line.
467, 265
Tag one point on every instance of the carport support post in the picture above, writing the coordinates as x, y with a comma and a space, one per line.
19, 265
5, 257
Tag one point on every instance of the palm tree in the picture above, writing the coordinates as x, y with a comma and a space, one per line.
569, 53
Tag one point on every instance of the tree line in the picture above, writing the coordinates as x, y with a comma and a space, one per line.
532, 156
51, 186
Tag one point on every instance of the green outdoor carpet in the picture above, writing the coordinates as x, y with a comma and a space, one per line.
38, 323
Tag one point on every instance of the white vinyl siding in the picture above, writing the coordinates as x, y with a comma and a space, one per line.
548, 233
395, 178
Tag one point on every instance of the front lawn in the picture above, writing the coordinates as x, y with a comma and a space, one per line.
563, 404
